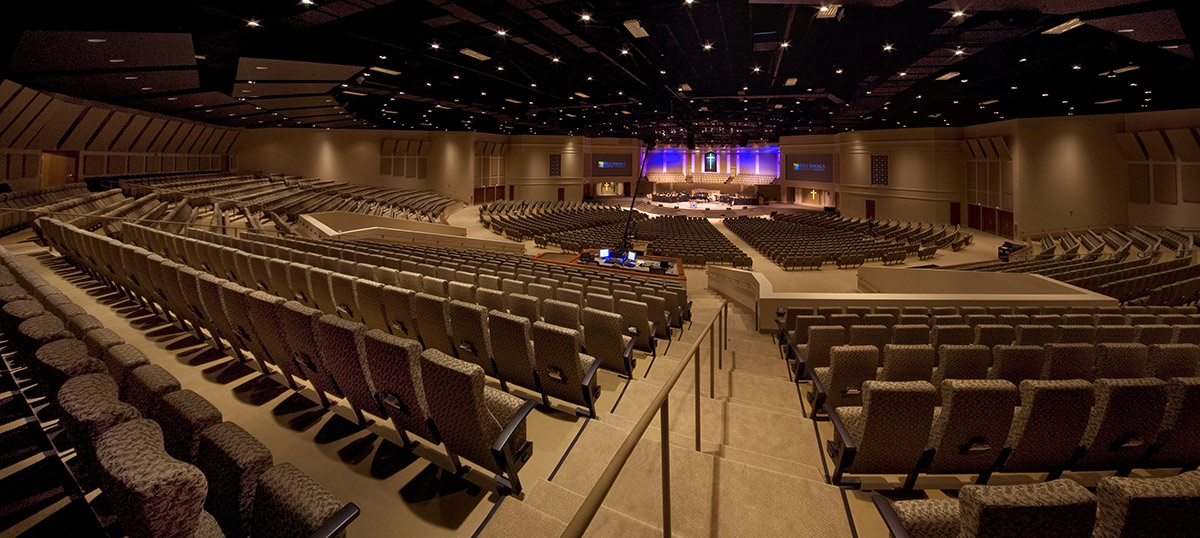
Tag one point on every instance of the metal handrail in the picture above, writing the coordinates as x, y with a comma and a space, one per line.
591, 504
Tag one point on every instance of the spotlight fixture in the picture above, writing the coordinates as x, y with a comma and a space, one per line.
307, 2
959, 52
887, 47
708, 46
757, 69
957, 14
253, 23
554, 59
784, 45
624, 51
838, 71
585, 17
501, 32
435, 46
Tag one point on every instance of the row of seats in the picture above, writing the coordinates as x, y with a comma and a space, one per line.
25, 199
1120, 507
783, 241
163, 457
428, 393
984, 426
694, 240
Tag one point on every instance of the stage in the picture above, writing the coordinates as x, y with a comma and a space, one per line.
708, 209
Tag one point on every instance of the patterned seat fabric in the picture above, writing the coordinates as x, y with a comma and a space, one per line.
90, 407
183, 415
892, 426
962, 362
1060, 508
1070, 361
430, 314
340, 352
1174, 360
929, 518
1159, 507
512, 347
1123, 423
605, 338
821, 339
1178, 440
122, 359
394, 367
1121, 360
468, 414
152, 494
971, 425
232, 460
1017, 363
146, 385
560, 365
288, 503
1046, 429
849, 367
907, 363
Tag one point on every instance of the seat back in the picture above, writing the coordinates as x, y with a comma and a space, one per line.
636, 315
896, 417
512, 348
1017, 363
1123, 360
456, 396
491, 299
994, 335
371, 305
394, 367
430, 315
911, 334
1036, 335
1070, 361
802, 323
869, 335
1116, 334
1077, 334
907, 363
972, 424
526, 306
1174, 360
287, 503
605, 337
462, 291
962, 362
559, 364
1046, 429
1167, 506
820, 339
1123, 422
470, 336
340, 346
1060, 508
562, 314
849, 367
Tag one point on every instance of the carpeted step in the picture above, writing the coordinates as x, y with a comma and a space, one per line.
515, 518
562, 503
773, 392
710, 496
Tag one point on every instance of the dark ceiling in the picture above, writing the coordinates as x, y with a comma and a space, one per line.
713, 69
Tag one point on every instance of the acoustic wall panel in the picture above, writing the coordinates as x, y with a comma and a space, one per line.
164, 136
51, 125
385, 166
133, 130
112, 127
177, 140
1131, 147
1183, 141
137, 164
976, 151
22, 121
1139, 183
988, 150
93, 165
142, 143
1156, 146
15, 107
1166, 190
388, 149
1189, 175
33, 165
192, 138
116, 165
227, 142
87, 127
1001, 148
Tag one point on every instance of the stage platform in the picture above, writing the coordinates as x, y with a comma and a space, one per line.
709, 210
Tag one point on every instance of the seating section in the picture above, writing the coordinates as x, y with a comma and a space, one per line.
692, 239
568, 225
162, 456
26, 200
290, 196
1161, 507
795, 243
324, 312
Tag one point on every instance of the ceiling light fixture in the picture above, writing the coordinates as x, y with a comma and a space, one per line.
1065, 27
253, 23
501, 32
116, 61
957, 14
635, 28
1076, 67
554, 59
784, 45
757, 69
959, 52
307, 2
708, 46
585, 17
624, 51
434, 46
887, 47
96, 40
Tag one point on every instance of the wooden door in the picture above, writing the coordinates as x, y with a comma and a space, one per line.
1005, 226
870, 209
989, 220
58, 167
955, 214
562, 194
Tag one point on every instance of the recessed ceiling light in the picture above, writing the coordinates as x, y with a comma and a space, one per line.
116, 61
585, 17
784, 45
307, 2
253, 23
689, 2
532, 84
838, 71
1076, 67
624, 51
1024, 59
708, 46
96, 40
957, 14
888, 47
501, 32
959, 52
455, 77
902, 73
554, 59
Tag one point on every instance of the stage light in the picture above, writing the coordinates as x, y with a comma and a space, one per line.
957, 14
501, 32
757, 69
253, 23
624, 51
435, 46
585, 17
708, 46
784, 45
888, 47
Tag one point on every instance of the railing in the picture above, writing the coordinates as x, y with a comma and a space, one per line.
583, 517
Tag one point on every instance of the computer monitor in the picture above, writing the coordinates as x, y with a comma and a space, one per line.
631, 256
603, 254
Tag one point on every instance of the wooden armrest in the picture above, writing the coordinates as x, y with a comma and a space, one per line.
591, 373
337, 523
890, 517
511, 427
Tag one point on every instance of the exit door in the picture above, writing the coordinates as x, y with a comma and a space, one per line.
955, 214
58, 167
870, 209
562, 194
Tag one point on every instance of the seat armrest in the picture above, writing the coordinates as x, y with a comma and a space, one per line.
653, 330
669, 319
890, 517
337, 523
840, 427
511, 427
819, 391
591, 374
629, 348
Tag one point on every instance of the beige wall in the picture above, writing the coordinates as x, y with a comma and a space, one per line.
353, 155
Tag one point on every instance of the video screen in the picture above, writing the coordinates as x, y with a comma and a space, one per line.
613, 165
813, 167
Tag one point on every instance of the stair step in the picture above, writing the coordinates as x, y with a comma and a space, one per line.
710, 496
515, 518
562, 503
773, 392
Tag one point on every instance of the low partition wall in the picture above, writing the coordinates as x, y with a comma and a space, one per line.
399, 231
883, 286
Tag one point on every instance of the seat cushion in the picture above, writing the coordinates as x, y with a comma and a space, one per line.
929, 518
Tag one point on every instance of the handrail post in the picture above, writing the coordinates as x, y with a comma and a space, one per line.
666, 466
712, 363
696, 386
